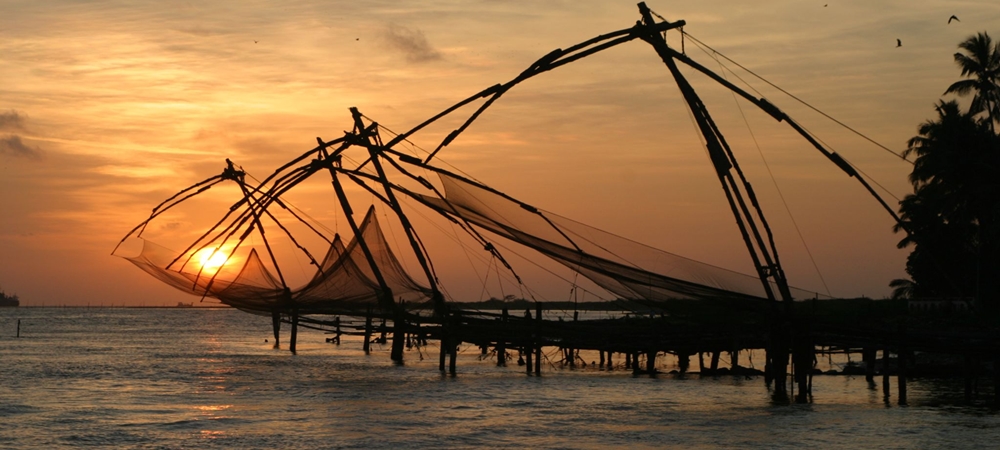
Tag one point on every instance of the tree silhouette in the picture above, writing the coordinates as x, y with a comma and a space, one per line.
953, 215
981, 62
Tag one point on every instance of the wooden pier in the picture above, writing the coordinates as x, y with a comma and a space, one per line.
884, 334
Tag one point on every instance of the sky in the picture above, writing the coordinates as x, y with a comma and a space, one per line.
109, 107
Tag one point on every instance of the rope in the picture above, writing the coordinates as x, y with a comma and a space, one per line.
842, 124
775, 182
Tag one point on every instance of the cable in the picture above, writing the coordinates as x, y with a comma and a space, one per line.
898, 155
776, 187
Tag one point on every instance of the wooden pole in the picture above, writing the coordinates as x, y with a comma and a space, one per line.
538, 342
398, 333
529, 347
453, 355
336, 323
276, 325
901, 365
502, 340
368, 332
443, 353
19, 330
601, 364
885, 372
295, 330
868, 356
651, 362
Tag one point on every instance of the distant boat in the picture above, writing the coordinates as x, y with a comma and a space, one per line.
8, 300
185, 305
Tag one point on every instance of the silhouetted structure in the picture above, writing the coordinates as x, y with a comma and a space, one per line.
687, 307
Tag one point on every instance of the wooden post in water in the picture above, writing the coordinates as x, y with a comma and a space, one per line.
19, 331
868, 357
601, 364
885, 371
398, 333
295, 330
538, 342
442, 354
651, 362
336, 324
452, 355
683, 361
715, 362
529, 347
701, 363
444, 341
901, 365
276, 325
368, 332
502, 340
628, 360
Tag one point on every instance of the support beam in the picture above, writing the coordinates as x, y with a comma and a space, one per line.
295, 330
276, 326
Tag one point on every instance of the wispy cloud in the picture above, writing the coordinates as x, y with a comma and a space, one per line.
13, 146
11, 121
411, 42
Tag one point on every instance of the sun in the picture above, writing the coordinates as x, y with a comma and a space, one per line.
211, 259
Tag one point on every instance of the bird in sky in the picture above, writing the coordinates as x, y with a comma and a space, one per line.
899, 43
255, 41
953, 17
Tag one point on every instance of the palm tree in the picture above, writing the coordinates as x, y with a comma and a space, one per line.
902, 289
952, 215
981, 63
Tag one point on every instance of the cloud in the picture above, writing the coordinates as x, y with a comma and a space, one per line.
411, 42
11, 120
11, 145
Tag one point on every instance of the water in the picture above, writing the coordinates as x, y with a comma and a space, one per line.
185, 378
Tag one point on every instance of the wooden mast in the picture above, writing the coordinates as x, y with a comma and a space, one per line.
764, 257
369, 138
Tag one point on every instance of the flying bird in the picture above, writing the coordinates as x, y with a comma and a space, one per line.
255, 41
953, 17
899, 43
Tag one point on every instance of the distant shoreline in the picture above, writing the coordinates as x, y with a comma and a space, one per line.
125, 307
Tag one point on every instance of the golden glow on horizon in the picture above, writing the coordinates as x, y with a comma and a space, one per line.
111, 107
211, 259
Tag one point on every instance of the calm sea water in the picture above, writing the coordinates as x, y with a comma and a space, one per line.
184, 378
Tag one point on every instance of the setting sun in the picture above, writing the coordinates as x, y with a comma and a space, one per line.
211, 259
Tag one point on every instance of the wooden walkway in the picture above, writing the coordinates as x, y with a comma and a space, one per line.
865, 327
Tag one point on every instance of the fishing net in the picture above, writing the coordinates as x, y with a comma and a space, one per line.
626, 268
344, 283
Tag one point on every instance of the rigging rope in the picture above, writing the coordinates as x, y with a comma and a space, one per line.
863, 136
702, 46
774, 181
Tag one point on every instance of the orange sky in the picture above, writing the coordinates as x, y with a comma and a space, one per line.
107, 108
